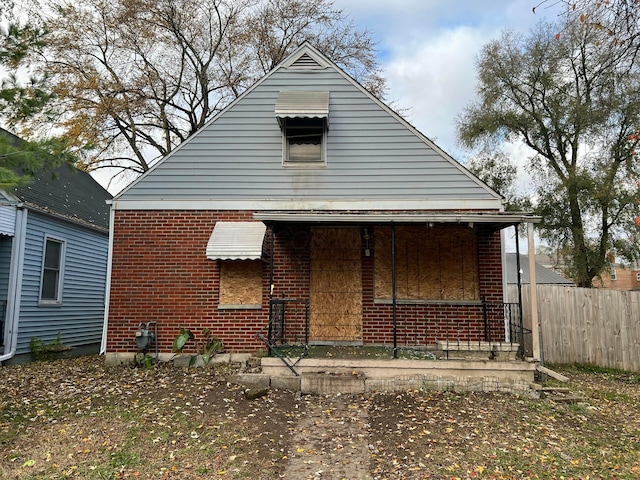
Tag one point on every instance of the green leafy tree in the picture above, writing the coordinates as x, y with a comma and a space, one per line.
25, 99
498, 171
21, 159
575, 102
136, 78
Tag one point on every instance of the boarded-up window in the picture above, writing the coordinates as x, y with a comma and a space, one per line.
431, 263
241, 282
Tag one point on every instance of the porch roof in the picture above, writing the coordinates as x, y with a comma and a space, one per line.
493, 219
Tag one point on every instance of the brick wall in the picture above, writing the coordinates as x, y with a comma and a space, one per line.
425, 324
626, 279
160, 273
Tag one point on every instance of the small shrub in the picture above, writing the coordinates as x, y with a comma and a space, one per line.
41, 350
206, 347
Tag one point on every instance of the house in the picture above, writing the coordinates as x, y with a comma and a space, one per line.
308, 212
619, 276
54, 237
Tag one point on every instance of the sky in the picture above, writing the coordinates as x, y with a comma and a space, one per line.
427, 51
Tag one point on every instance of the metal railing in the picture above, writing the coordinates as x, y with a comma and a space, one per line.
469, 326
504, 324
287, 334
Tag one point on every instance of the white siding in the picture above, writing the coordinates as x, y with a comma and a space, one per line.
7, 220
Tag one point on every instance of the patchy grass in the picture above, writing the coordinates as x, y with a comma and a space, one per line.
76, 418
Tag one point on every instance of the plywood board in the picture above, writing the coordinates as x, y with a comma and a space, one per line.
240, 282
335, 299
432, 263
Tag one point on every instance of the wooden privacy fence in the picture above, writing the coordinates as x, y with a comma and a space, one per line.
586, 325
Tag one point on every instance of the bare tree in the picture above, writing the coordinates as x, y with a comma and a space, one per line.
135, 78
609, 18
576, 104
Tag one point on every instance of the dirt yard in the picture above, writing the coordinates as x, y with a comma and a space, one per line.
77, 418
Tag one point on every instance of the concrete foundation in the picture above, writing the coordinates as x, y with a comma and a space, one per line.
330, 376
122, 358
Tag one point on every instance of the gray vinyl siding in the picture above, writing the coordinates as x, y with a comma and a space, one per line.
370, 154
5, 264
79, 317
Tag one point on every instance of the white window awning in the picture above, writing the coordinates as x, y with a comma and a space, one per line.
302, 104
7, 220
236, 241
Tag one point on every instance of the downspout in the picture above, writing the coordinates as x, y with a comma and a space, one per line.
107, 293
15, 282
272, 264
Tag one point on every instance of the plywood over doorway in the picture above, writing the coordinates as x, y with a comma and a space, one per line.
335, 285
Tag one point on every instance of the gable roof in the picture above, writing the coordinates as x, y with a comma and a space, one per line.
375, 159
65, 192
69, 193
544, 276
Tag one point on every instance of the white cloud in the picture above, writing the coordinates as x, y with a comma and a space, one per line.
428, 50
436, 81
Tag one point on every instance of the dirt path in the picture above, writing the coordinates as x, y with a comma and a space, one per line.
332, 440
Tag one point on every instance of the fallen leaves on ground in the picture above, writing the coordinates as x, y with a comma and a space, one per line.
77, 418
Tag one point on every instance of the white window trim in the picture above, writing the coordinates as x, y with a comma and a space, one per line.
63, 248
612, 275
323, 150
638, 277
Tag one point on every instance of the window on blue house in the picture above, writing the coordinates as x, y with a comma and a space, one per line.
52, 270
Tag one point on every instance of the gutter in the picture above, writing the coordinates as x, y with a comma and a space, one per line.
15, 282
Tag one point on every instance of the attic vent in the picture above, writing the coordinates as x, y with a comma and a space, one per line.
305, 62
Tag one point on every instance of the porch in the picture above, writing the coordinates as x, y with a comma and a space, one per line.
456, 355
417, 301
430, 283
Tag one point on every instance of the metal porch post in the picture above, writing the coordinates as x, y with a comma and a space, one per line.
520, 309
393, 289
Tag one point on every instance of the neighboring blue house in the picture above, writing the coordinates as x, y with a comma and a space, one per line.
54, 237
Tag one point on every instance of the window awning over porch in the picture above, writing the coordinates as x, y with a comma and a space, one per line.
236, 241
494, 219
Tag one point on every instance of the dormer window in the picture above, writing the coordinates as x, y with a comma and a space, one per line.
304, 140
303, 117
